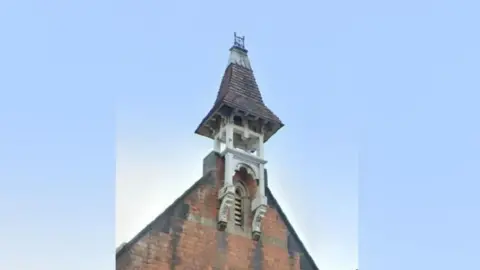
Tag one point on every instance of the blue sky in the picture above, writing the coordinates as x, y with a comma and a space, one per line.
99, 101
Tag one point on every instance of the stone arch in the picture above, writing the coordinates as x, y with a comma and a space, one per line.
253, 171
241, 189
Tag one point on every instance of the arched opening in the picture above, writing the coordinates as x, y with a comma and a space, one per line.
239, 205
246, 169
237, 120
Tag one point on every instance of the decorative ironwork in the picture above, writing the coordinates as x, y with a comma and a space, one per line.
239, 41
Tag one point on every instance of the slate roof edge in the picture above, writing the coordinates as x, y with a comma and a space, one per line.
164, 214
290, 228
218, 101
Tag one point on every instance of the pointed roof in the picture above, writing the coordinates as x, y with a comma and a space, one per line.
239, 92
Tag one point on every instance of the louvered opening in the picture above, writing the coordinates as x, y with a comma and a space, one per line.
238, 208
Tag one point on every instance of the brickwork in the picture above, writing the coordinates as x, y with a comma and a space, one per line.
185, 236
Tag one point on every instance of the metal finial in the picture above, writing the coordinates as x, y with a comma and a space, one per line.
239, 42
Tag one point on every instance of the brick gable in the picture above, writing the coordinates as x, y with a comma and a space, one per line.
185, 235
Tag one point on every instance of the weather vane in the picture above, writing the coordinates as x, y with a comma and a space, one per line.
239, 41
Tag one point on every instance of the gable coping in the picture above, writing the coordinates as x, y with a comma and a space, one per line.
290, 228
164, 214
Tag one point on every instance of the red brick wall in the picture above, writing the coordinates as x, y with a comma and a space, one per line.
201, 246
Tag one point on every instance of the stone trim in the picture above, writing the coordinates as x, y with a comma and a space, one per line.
212, 223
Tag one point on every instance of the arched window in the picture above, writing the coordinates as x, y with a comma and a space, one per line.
237, 120
240, 195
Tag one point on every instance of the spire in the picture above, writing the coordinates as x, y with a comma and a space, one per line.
239, 93
240, 122
238, 53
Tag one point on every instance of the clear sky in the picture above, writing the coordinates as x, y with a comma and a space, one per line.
99, 101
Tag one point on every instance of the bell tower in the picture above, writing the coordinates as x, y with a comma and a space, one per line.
239, 123
229, 218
